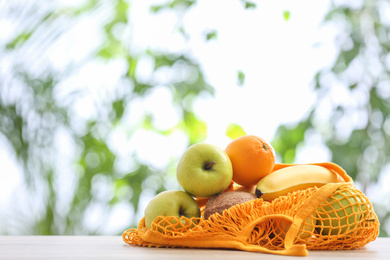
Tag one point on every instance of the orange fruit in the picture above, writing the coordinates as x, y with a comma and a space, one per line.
252, 159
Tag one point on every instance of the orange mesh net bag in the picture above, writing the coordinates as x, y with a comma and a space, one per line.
334, 216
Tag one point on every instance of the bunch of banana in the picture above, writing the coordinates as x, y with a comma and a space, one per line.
292, 178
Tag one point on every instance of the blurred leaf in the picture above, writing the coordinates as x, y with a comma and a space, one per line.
286, 15
234, 131
85, 7
345, 58
148, 122
120, 16
118, 107
157, 8
175, 4
140, 88
249, 4
379, 103
211, 35
353, 86
317, 77
135, 180
195, 128
113, 48
19, 40
288, 138
132, 64
161, 60
240, 78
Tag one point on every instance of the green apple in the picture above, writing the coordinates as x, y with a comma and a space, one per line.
338, 214
174, 203
308, 227
204, 170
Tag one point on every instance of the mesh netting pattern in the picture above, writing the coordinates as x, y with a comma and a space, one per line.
335, 216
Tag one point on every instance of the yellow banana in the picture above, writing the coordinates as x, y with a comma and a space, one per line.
292, 178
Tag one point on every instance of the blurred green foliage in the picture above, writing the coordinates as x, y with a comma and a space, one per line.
286, 15
32, 115
234, 131
354, 93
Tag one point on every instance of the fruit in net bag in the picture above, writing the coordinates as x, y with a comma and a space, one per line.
340, 213
293, 178
225, 200
173, 203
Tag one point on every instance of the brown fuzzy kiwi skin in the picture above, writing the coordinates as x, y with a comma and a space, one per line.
222, 201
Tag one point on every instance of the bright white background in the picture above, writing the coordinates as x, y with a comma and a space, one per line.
279, 59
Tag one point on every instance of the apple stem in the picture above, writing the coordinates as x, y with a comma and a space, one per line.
208, 165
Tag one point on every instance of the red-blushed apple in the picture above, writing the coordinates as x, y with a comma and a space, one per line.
174, 203
204, 170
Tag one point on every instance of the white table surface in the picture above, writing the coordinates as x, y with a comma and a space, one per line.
113, 247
